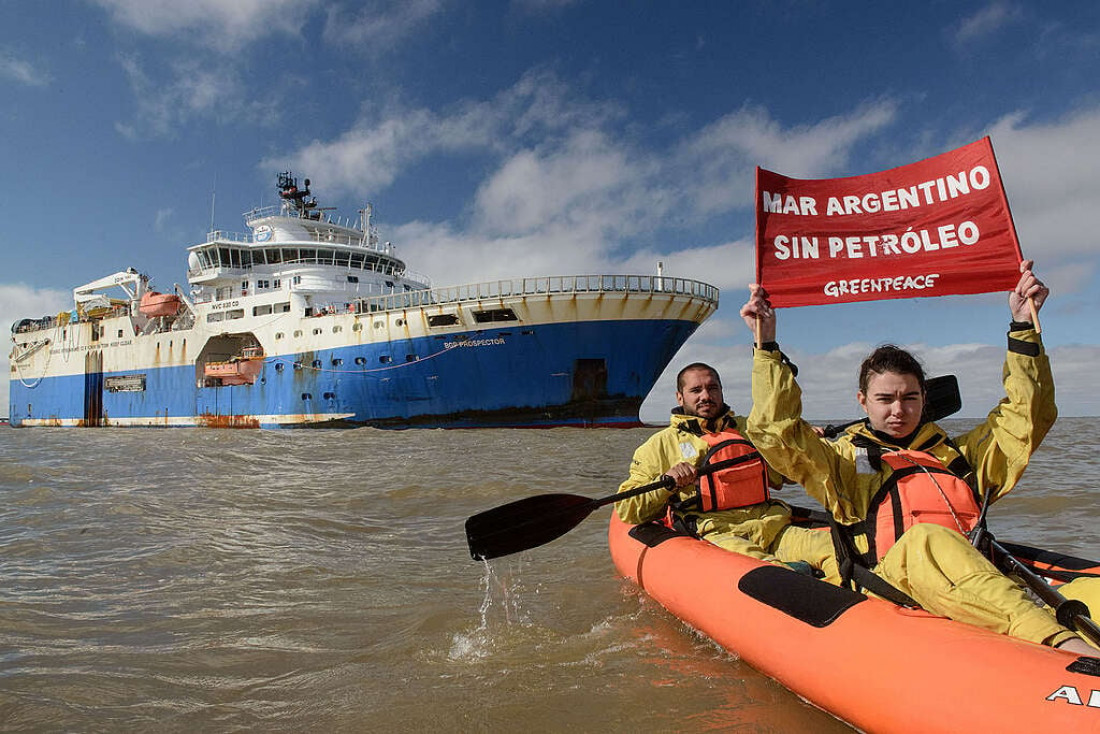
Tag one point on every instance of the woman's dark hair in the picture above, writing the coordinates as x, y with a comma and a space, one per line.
889, 358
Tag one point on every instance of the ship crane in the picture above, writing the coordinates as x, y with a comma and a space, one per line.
129, 280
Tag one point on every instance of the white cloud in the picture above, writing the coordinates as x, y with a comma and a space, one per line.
380, 26
19, 301
214, 23
365, 158
984, 22
1050, 178
23, 72
568, 188
162, 219
186, 91
718, 163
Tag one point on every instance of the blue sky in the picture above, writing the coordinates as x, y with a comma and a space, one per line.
501, 139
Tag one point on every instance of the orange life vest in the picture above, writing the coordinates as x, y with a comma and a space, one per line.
738, 475
919, 489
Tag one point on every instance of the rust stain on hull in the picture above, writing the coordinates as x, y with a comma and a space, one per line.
209, 420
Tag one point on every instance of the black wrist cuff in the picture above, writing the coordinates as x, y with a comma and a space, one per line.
769, 346
1021, 326
1019, 346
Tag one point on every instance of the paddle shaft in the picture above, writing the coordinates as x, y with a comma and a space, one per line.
665, 482
1070, 613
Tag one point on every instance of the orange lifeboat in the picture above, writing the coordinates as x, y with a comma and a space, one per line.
159, 304
241, 370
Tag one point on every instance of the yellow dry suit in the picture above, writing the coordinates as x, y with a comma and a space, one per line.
931, 563
760, 529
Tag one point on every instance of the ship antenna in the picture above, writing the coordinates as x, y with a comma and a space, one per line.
213, 199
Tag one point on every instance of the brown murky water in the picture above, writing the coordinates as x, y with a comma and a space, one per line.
218, 581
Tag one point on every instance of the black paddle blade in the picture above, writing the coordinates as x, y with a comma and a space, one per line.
941, 397
524, 524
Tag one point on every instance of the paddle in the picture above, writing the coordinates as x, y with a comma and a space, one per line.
1071, 613
941, 399
534, 521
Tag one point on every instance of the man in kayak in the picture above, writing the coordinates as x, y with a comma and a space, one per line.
903, 495
728, 502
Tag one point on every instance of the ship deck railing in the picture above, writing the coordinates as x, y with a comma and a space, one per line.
318, 237
541, 286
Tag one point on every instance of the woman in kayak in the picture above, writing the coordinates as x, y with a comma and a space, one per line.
903, 495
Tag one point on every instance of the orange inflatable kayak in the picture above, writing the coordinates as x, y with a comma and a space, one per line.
879, 667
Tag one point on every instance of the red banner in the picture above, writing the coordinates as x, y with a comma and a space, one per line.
937, 227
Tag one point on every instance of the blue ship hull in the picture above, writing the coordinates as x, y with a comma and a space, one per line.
580, 373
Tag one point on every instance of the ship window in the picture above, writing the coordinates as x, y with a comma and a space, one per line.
297, 280
330, 396
277, 284
297, 366
317, 364
336, 362
357, 260
120, 333
237, 313
307, 396
385, 359
244, 285
360, 360
279, 335
411, 358
214, 317
443, 319
357, 326
223, 256
389, 284
400, 322
279, 366
379, 324
527, 332
274, 256
337, 329
282, 307
317, 331
297, 332
261, 310
353, 278
307, 255
495, 314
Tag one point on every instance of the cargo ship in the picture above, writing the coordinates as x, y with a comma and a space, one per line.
309, 320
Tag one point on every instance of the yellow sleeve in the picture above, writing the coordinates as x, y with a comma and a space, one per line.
999, 449
652, 459
787, 442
